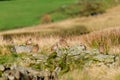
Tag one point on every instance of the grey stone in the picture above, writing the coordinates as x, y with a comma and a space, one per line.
23, 48
104, 58
2, 67
73, 50
9, 74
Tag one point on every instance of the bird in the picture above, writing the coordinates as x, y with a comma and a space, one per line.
29, 41
54, 47
101, 48
35, 48
83, 46
62, 42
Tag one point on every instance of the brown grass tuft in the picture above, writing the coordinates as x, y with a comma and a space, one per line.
46, 19
108, 37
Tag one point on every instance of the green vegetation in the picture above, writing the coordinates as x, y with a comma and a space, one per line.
82, 8
21, 13
4, 0
9, 58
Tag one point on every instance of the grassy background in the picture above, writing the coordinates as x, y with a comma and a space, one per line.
19, 13
83, 8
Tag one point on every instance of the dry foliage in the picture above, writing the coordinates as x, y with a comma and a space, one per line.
46, 19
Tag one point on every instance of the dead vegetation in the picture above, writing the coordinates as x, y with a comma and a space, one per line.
88, 31
107, 40
46, 19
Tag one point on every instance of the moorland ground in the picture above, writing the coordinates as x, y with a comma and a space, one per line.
89, 30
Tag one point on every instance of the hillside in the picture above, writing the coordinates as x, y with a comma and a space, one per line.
109, 19
21, 13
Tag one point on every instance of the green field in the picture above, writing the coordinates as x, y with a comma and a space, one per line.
20, 13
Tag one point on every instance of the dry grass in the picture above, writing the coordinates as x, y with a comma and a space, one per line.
46, 19
109, 37
93, 73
